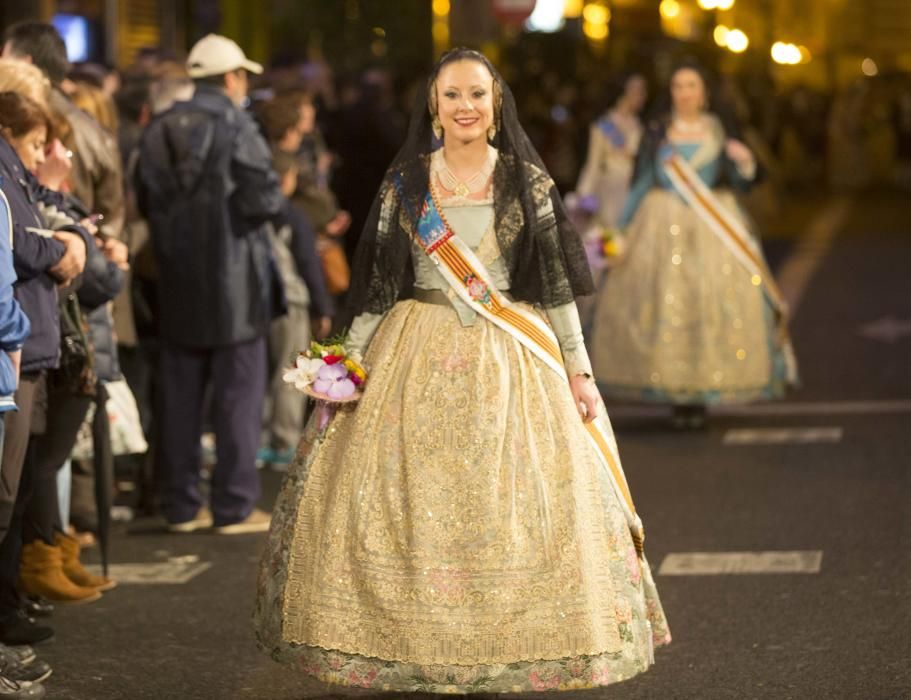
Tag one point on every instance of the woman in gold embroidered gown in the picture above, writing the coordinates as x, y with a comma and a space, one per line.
454, 531
680, 320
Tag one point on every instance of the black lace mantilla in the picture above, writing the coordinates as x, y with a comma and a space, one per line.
542, 251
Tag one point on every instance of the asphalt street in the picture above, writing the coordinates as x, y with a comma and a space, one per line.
827, 472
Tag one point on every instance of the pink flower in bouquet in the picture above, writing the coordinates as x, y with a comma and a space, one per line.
332, 380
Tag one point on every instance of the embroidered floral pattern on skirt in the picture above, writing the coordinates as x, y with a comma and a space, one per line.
455, 531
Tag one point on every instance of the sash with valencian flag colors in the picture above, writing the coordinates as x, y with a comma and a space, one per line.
468, 277
734, 236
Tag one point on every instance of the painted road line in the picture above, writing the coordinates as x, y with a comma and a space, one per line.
734, 563
810, 408
810, 250
886, 330
165, 572
782, 436
818, 408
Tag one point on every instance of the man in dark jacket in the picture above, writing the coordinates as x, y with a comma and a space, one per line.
205, 183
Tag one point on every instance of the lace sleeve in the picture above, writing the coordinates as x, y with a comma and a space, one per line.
382, 272
360, 334
568, 329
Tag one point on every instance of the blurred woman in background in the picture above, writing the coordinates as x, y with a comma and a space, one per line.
691, 315
613, 142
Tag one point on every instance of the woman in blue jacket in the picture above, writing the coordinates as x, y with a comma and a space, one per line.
14, 324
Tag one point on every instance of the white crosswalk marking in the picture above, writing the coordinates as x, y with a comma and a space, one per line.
887, 330
778, 408
726, 563
782, 436
165, 572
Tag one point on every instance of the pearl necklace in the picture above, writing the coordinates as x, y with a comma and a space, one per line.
687, 127
472, 185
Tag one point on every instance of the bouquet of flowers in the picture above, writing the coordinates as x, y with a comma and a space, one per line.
611, 243
602, 243
325, 372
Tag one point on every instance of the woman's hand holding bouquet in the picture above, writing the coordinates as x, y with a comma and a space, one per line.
326, 372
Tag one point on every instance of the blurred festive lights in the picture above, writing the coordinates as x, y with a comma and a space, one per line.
737, 41
573, 9
440, 27
669, 9
595, 13
721, 35
869, 67
716, 4
595, 32
787, 54
595, 18
547, 16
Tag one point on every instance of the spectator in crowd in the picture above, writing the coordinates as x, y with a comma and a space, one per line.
289, 122
368, 134
134, 319
50, 558
96, 178
42, 259
294, 246
14, 324
205, 182
14, 329
170, 84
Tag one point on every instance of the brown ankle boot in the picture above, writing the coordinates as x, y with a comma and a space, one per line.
73, 568
42, 574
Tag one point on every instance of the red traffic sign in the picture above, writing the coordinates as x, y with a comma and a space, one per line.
512, 12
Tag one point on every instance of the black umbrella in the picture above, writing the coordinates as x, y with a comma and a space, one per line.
103, 460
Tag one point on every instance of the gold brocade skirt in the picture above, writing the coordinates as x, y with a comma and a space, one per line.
679, 320
455, 531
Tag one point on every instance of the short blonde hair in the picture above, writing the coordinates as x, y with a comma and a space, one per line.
25, 79
95, 102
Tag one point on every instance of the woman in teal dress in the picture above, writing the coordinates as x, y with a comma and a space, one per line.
690, 316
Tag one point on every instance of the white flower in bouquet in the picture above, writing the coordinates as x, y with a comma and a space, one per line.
304, 371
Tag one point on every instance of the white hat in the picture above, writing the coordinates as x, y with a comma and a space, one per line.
216, 55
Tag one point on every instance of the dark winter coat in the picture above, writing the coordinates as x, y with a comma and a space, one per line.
14, 325
34, 253
101, 282
205, 183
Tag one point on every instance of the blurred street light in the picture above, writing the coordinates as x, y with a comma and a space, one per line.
869, 67
596, 13
595, 18
716, 4
440, 28
548, 16
721, 35
669, 9
737, 41
573, 9
787, 54
595, 32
